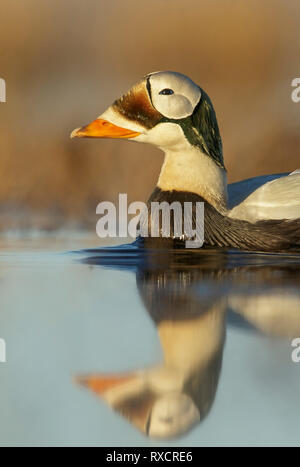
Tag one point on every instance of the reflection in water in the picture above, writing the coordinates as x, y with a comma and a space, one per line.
269, 298
189, 295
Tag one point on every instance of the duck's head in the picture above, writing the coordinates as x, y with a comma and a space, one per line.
151, 400
166, 109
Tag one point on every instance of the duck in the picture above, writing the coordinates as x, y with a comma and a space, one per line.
192, 300
169, 398
170, 111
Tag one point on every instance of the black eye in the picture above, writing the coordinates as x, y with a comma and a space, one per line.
166, 92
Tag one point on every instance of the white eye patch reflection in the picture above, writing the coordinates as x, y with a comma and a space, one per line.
174, 95
172, 414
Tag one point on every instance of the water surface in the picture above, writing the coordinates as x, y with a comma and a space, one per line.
176, 348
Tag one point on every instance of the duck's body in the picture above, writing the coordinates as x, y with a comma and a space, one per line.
170, 111
222, 230
266, 197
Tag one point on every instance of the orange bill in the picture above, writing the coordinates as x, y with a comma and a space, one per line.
102, 383
100, 128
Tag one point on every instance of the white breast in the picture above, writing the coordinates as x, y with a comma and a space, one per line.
266, 197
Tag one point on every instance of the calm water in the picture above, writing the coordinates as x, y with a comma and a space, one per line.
123, 346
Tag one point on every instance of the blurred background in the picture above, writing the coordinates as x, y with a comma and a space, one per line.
65, 62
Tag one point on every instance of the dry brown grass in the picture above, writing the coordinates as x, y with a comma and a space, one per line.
65, 62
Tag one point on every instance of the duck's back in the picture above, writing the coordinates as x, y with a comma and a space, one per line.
266, 197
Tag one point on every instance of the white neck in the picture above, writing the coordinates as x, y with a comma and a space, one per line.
188, 169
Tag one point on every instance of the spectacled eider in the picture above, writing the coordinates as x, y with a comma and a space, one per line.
168, 110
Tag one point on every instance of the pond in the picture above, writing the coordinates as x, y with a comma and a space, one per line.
128, 346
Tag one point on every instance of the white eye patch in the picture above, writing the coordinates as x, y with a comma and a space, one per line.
177, 104
173, 414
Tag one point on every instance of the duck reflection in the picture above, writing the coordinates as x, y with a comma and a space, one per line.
269, 299
189, 297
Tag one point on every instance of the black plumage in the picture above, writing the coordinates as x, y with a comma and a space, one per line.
223, 231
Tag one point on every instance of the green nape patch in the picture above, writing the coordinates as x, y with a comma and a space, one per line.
201, 129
